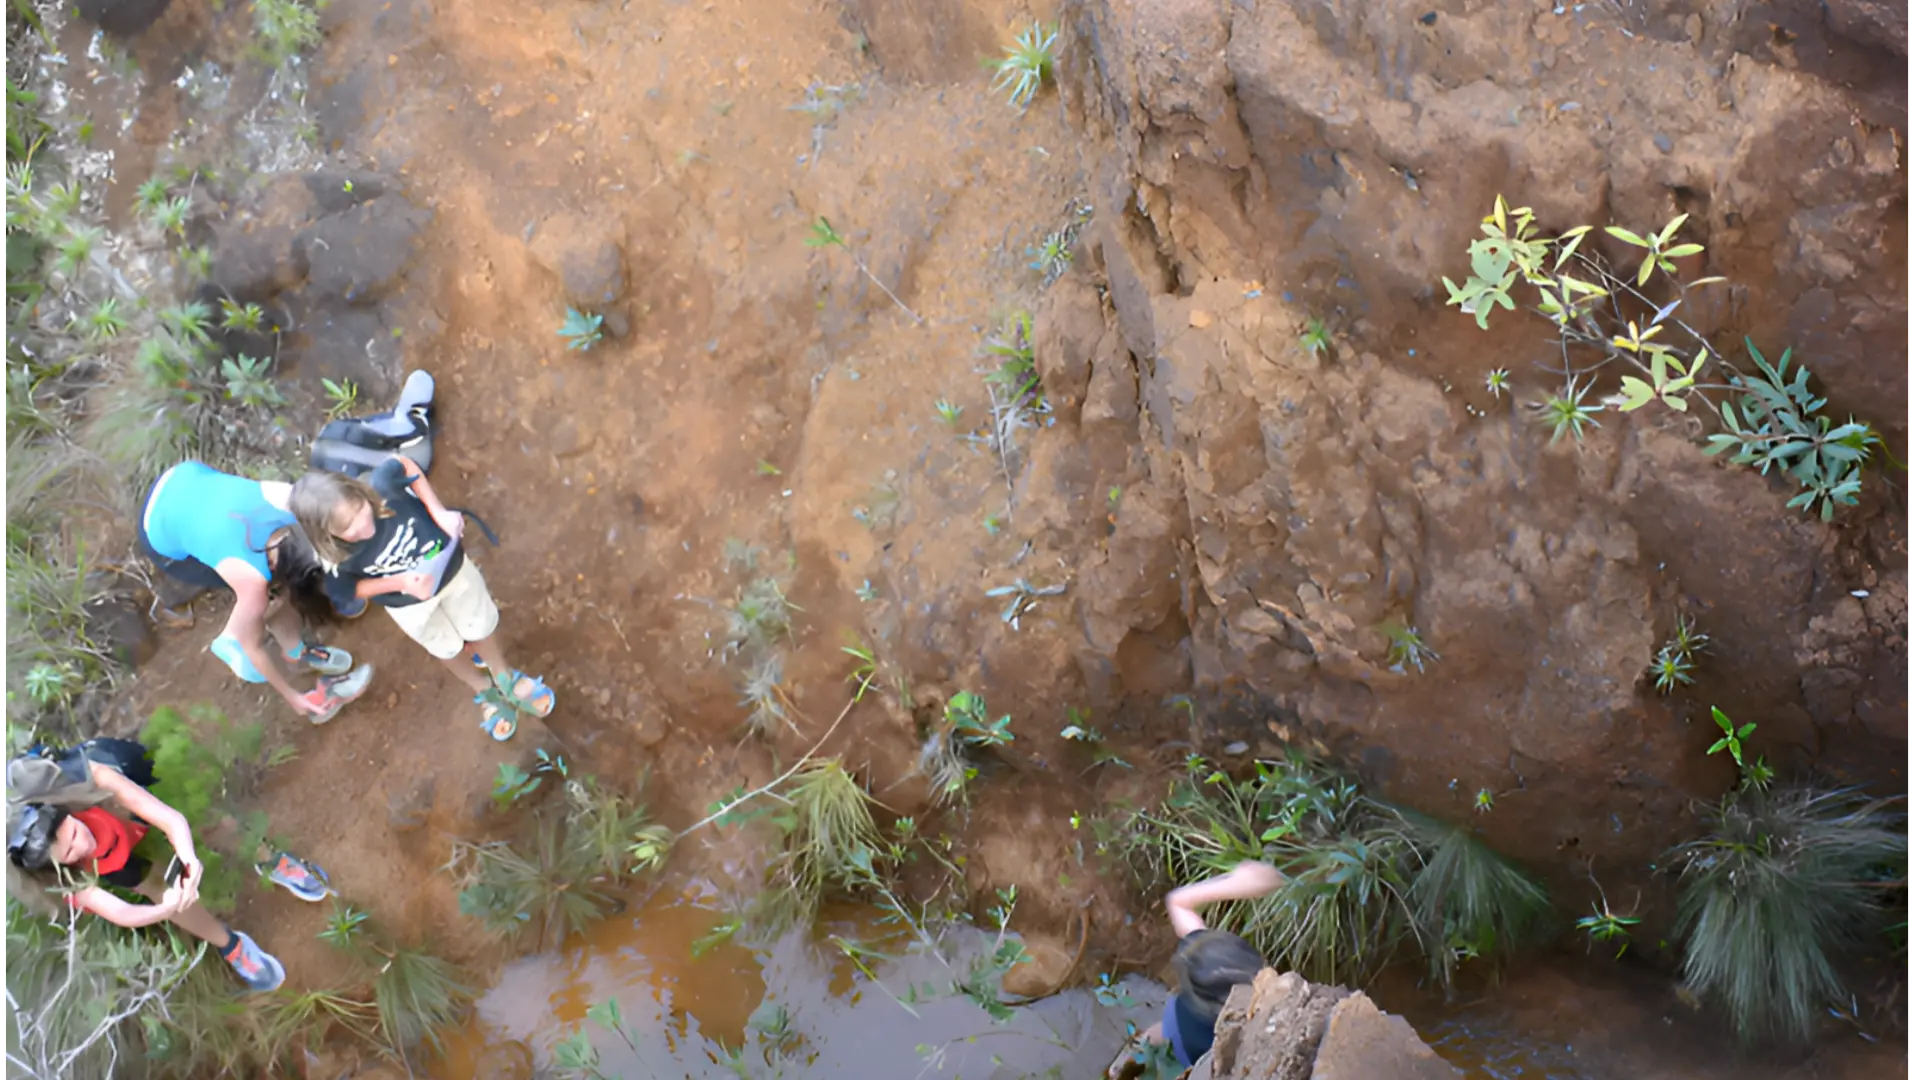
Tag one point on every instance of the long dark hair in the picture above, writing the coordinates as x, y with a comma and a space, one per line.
298, 574
1210, 963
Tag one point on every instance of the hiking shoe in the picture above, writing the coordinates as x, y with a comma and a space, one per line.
256, 967
324, 660
353, 609
299, 877
335, 692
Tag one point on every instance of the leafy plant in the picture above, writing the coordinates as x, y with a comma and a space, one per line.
1567, 412
581, 330
1361, 878
823, 235
513, 783
550, 892
1784, 879
150, 195
194, 759
760, 615
249, 381
286, 28
1316, 341
831, 841
52, 685
949, 412
244, 318
77, 249
345, 926
188, 323
1778, 422
342, 397
1405, 649
1772, 418
1674, 664
1730, 738
1027, 65
1499, 382
1053, 256
105, 321
1607, 926
419, 996
171, 215
614, 832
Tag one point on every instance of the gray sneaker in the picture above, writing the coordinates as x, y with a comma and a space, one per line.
325, 660
258, 968
336, 691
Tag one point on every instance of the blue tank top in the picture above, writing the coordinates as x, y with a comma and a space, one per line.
205, 514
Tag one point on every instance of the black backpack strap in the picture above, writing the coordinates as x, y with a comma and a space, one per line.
478, 520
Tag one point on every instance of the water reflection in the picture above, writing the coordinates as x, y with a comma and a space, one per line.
691, 1017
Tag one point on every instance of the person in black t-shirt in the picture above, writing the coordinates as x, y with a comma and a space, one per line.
1209, 963
390, 541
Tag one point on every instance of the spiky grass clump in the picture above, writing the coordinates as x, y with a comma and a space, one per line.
418, 996
1027, 65
1467, 901
765, 699
831, 844
613, 832
1362, 879
1785, 879
548, 893
760, 616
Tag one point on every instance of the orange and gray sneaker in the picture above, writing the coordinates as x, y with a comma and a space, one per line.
301, 878
335, 692
256, 967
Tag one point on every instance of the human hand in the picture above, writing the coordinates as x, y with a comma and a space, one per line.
188, 883
418, 585
301, 704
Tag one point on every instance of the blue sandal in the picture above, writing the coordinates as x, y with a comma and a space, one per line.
493, 719
538, 702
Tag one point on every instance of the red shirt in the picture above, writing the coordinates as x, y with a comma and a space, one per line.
114, 839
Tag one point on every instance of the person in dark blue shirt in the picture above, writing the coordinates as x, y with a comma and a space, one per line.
1208, 963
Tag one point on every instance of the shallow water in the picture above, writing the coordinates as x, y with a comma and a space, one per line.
689, 1014
1552, 1019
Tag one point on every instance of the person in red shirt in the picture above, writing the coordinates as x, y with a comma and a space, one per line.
52, 841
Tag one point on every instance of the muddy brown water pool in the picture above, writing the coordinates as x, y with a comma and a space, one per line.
688, 1014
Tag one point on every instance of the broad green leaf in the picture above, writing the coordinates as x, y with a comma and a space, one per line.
1636, 392
1646, 267
1619, 233
1673, 226
1681, 251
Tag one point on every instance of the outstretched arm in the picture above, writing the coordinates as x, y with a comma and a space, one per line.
1243, 882
142, 804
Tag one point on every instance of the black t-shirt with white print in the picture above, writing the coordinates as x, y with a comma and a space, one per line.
402, 542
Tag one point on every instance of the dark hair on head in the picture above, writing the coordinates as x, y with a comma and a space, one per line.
299, 574
1210, 963
30, 838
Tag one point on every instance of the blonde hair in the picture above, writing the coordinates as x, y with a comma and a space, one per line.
317, 496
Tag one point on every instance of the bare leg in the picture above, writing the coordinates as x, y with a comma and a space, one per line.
283, 622
463, 669
195, 920
490, 654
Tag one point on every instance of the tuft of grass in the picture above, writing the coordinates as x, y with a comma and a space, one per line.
1362, 878
760, 616
249, 381
1317, 341
766, 700
419, 996
1567, 413
548, 893
832, 842
285, 28
1027, 65
1784, 879
342, 397
1673, 665
1467, 901
612, 832
171, 215
1053, 256
242, 318
1405, 649
105, 321
949, 412
581, 330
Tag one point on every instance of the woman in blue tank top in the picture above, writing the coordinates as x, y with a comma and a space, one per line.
217, 531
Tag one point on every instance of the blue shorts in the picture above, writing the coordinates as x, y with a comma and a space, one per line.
1170, 1027
227, 648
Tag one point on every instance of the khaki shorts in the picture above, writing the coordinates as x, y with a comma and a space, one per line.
462, 612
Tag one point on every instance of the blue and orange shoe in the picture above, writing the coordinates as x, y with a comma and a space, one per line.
298, 876
256, 967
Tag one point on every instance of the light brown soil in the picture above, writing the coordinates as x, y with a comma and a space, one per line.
1212, 145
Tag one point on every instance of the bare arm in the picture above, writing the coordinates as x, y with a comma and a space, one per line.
248, 622
417, 480
120, 913
1243, 882
172, 824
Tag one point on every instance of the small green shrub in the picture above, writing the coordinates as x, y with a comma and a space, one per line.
1027, 65
194, 759
831, 841
286, 28
581, 330
1784, 880
1362, 879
